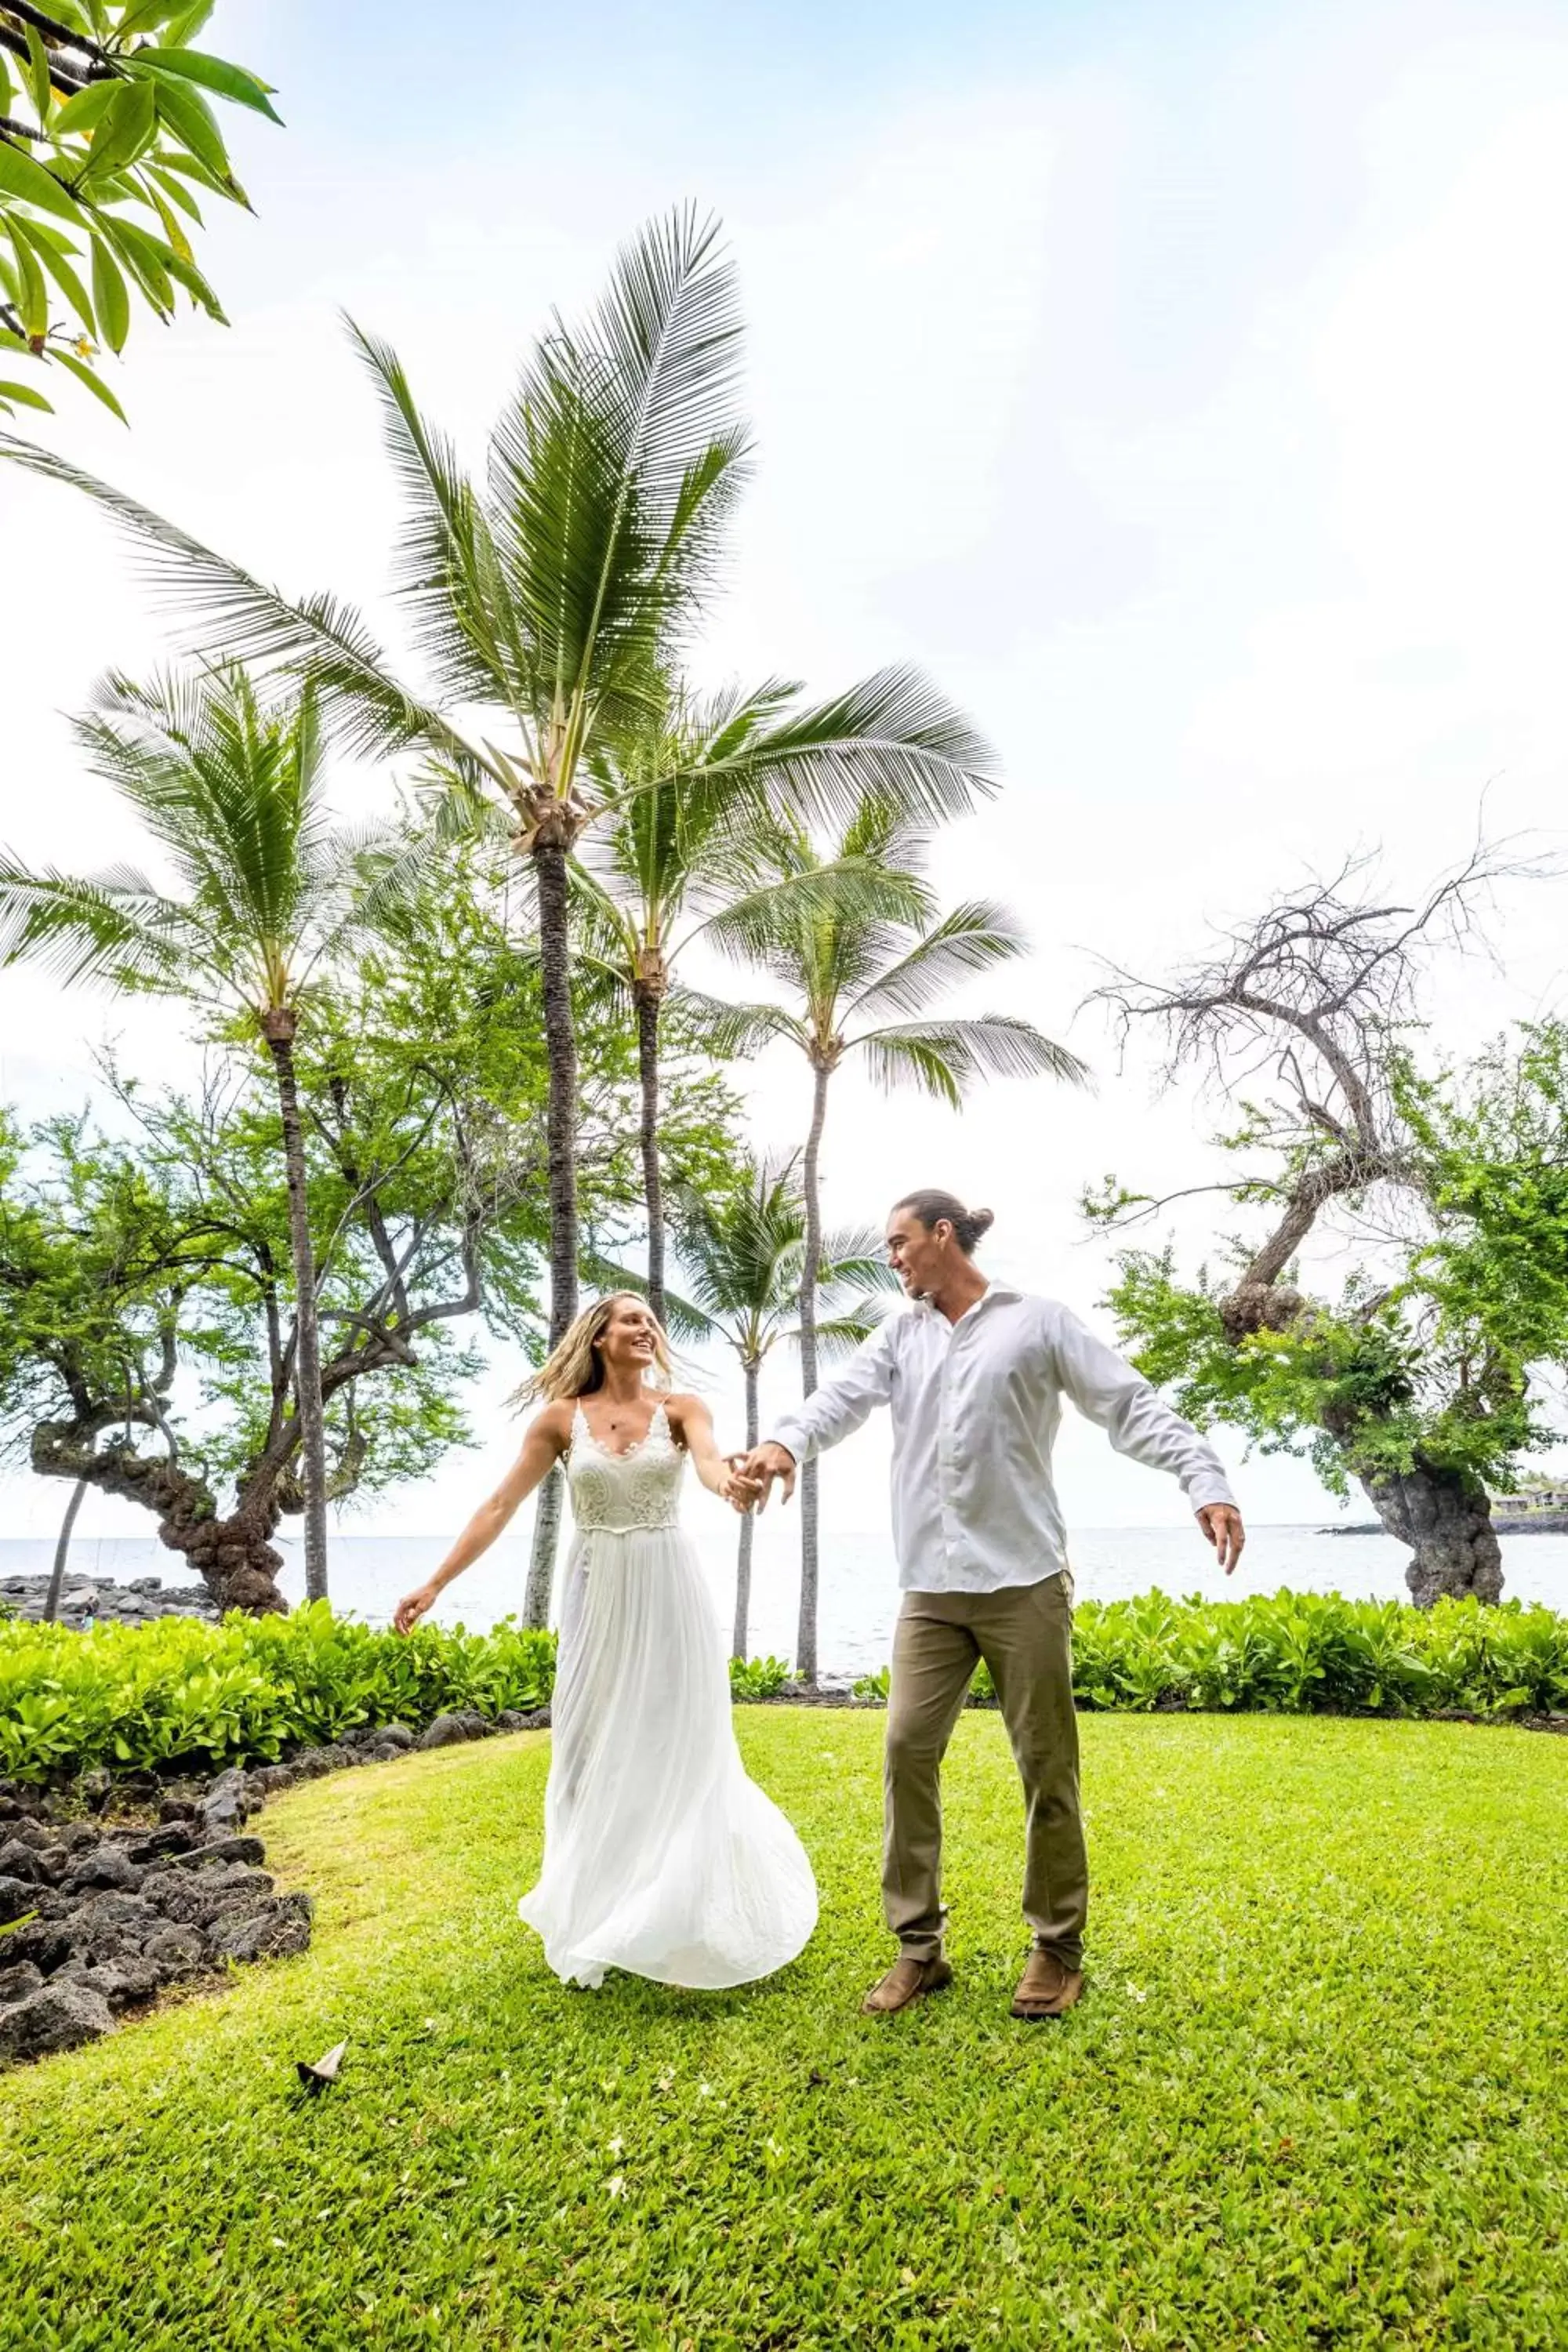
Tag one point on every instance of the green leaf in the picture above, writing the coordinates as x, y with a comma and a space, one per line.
110, 299
126, 132
64, 276
95, 383
34, 304
38, 75
186, 113
172, 230
176, 189
31, 184
146, 259
148, 14
215, 73
188, 276
86, 110
188, 25
27, 395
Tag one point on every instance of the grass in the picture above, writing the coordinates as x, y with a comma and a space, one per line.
1316, 2095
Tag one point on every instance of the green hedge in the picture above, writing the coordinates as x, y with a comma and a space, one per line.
179, 1693
1301, 1653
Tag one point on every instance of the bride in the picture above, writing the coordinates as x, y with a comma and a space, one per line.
660, 1856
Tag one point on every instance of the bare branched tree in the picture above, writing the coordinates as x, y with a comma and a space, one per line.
1313, 1004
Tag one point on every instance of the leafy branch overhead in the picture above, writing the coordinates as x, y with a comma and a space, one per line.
109, 141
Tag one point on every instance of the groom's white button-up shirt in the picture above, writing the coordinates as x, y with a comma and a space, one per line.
976, 1405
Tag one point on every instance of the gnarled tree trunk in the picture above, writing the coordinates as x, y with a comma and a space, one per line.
1445, 1517
233, 1556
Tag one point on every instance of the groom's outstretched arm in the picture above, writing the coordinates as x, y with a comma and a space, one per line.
829, 1413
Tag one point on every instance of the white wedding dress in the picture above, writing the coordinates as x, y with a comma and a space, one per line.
660, 1856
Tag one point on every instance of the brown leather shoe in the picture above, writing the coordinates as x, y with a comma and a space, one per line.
906, 1980
1046, 1987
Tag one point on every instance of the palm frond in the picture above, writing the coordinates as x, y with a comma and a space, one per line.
729, 1030
611, 473
851, 893
946, 1057
892, 739
448, 574
234, 613
116, 929
972, 937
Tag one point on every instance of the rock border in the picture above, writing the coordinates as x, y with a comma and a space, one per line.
99, 1915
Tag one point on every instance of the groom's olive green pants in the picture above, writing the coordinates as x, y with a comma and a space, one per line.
1024, 1633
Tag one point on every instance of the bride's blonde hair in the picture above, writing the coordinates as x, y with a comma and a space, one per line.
576, 1367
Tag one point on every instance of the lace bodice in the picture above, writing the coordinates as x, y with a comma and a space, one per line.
619, 1493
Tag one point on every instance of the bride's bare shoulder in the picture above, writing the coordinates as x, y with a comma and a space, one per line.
681, 1406
555, 1421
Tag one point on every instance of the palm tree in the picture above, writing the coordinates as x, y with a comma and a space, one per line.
866, 981
743, 1258
231, 786
552, 599
685, 855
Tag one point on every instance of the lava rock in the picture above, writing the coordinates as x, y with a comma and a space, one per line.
513, 1719
95, 1786
105, 1865
451, 1730
228, 1849
174, 1837
111, 1927
227, 1801
17, 1896
394, 1735
175, 1952
281, 1929
17, 1982
122, 1983
179, 1809
194, 1897
311, 1763
56, 2017
270, 1778
19, 1858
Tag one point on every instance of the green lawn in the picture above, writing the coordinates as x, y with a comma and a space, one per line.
1317, 2093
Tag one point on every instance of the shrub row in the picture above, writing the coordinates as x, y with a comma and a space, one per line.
179, 1693
1299, 1653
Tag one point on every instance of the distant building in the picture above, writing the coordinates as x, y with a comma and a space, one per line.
1535, 1494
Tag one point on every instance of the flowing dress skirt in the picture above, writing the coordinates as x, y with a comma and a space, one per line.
661, 1856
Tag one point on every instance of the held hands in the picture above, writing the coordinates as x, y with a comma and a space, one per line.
1221, 1522
756, 1471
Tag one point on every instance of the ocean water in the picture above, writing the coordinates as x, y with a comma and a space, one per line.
860, 1596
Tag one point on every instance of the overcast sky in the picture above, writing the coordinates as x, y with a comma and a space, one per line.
1184, 388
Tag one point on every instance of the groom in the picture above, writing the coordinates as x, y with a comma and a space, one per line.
975, 1376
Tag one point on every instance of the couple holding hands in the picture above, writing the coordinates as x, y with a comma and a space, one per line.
661, 1856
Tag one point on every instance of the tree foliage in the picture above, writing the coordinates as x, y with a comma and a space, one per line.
108, 142
1427, 1374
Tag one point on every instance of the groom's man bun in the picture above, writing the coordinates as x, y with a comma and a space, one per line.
932, 1206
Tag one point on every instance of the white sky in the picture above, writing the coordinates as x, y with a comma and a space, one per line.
1186, 396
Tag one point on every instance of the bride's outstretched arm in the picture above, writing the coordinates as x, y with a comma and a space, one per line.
544, 1441
694, 1425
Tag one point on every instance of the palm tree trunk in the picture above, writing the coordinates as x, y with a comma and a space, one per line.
805, 1636
748, 1531
62, 1553
652, 1181
280, 1033
561, 1143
